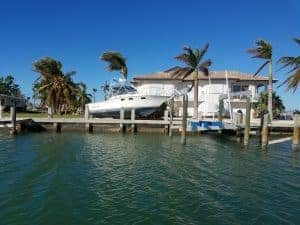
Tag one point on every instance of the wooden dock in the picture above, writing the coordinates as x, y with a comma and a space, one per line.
59, 123
255, 124
168, 123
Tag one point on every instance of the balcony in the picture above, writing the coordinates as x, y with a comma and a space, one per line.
240, 96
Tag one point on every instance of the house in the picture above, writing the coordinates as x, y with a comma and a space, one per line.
231, 86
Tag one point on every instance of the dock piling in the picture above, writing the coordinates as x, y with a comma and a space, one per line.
166, 118
86, 112
122, 125
50, 113
1, 111
296, 132
57, 127
265, 131
89, 127
133, 125
13, 118
247, 122
184, 119
221, 107
171, 116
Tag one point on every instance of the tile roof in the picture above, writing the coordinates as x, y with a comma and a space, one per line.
214, 75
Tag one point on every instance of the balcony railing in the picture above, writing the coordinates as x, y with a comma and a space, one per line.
240, 96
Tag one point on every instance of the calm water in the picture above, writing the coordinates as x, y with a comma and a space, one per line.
79, 178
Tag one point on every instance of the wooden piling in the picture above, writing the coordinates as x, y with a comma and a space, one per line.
1, 111
50, 113
86, 112
221, 107
238, 118
265, 131
166, 118
89, 127
184, 119
296, 133
239, 134
13, 118
57, 127
247, 122
122, 125
133, 125
171, 116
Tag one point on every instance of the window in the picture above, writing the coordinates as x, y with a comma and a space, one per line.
122, 99
239, 87
130, 98
244, 88
236, 88
143, 97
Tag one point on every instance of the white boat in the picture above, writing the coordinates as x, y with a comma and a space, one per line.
144, 105
127, 98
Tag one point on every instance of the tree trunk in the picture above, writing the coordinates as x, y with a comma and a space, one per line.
195, 116
270, 91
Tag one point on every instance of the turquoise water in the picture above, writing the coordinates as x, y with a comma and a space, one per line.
79, 178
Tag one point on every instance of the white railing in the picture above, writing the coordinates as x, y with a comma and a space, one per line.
7, 100
241, 95
155, 91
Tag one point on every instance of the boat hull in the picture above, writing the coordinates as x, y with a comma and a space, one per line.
144, 106
139, 113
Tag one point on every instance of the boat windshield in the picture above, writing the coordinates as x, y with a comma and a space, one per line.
119, 90
119, 87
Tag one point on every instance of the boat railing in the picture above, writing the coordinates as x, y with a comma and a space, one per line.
155, 91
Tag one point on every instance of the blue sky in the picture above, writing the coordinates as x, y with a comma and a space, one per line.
148, 33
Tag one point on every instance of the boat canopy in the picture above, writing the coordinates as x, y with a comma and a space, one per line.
119, 87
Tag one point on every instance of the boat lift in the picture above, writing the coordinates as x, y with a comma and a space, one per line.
13, 103
194, 125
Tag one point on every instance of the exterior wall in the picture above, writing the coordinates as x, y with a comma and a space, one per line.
208, 94
208, 97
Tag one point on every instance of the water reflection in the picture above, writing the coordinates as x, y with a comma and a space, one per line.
95, 178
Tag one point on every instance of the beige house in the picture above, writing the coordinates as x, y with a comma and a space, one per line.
232, 86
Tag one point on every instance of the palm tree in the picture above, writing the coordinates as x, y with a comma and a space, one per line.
262, 103
94, 94
294, 62
263, 50
193, 60
47, 68
46, 85
105, 89
115, 62
55, 88
82, 95
61, 92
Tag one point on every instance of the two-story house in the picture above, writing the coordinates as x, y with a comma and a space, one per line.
231, 86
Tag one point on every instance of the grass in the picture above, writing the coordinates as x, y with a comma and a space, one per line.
41, 115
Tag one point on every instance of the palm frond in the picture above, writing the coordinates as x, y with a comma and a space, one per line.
189, 57
297, 40
186, 72
252, 51
188, 49
203, 67
185, 58
261, 67
115, 62
292, 81
287, 61
179, 72
70, 74
203, 51
263, 50
172, 69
